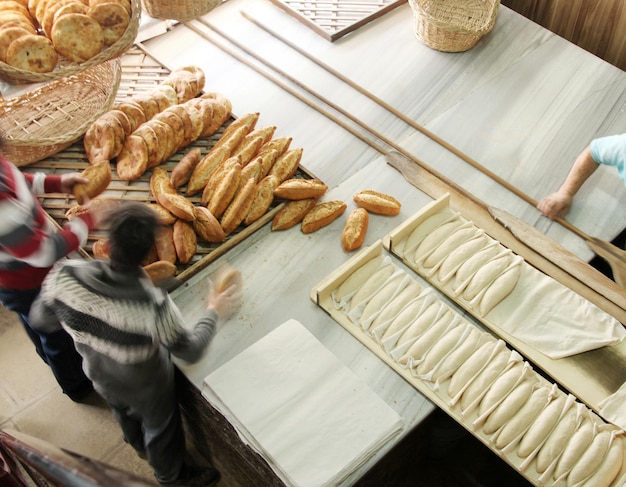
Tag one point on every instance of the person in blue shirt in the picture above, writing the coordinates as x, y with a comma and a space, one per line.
610, 151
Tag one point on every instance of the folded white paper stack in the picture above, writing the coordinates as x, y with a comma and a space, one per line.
306, 413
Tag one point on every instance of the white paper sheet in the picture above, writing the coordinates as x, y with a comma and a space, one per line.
309, 415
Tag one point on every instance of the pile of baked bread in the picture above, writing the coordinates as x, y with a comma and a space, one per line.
36, 34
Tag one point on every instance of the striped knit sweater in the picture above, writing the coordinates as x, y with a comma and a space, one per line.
121, 316
29, 244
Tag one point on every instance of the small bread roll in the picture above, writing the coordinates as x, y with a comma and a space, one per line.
207, 226
379, 203
178, 205
322, 214
160, 272
263, 198
292, 213
355, 229
287, 164
185, 241
300, 189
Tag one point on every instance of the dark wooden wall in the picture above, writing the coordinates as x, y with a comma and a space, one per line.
599, 26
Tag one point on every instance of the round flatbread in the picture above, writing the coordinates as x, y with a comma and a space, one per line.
77, 37
7, 36
113, 18
32, 53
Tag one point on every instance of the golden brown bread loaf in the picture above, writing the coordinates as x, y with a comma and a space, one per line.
239, 207
225, 191
322, 214
185, 241
98, 176
165, 216
164, 243
132, 161
287, 164
207, 227
182, 171
263, 198
355, 229
205, 168
160, 183
160, 271
292, 213
300, 189
225, 277
379, 203
178, 205
100, 249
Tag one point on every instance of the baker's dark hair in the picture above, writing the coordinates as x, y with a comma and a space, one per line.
132, 229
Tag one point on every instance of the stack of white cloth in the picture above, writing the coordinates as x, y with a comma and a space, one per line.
306, 413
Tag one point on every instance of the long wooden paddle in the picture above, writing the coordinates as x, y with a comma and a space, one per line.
615, 256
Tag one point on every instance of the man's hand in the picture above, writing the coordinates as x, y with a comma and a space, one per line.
227, 302
556, 204
68, 180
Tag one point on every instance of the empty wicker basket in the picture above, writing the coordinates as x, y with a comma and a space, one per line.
453, 25
180, 10
45, 121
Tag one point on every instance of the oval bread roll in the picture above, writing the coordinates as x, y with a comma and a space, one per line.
98, 176
287, 164
292, 213
300, 189
239, 207
227, 277
160, 183
185, 241
207, 227
355, 229
183, 169
164, 243
376, 202
178, 205
263, 198
355, 280
160, 271
322, 214
203, 170
225, 191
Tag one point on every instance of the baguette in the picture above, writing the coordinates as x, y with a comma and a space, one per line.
292, 213
239, 207
300, 189
185, 241
207, 227
354, 230
183, 169
379, 203
263, 198
322, 214
178, 205
98, 176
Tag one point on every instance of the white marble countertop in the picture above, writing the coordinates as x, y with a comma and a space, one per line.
523, 102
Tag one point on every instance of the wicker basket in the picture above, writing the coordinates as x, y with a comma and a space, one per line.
47, 120
453, 25
66, 67
180, 10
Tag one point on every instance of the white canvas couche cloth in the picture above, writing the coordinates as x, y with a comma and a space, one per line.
613, 408
310, 416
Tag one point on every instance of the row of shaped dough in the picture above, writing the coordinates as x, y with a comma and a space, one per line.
489, 386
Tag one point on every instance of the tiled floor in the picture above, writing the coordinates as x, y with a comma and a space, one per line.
31, 402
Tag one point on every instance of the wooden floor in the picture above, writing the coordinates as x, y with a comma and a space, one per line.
441, 453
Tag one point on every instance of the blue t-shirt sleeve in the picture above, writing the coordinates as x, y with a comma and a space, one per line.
611, 151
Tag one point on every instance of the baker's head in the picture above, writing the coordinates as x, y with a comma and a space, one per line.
132, 229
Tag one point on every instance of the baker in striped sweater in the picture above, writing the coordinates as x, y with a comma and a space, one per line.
125, 328
29, 246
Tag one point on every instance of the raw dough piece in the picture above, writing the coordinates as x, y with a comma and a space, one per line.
556, 441
449, 266
355, 280
471, 367
576, 446
509, 406
444, 344
459, 355
485, 276
475, 262
499, 289
485, 378
406, 316
502, 386
449, 244
426, 227
435, 321
610, 466
397, 304
591, 459
380, 299
541, 427
371, 285
527, 413
433, 239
